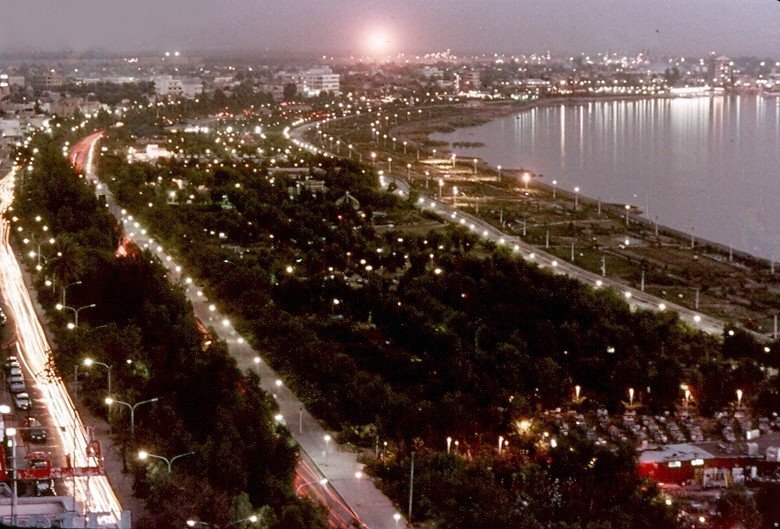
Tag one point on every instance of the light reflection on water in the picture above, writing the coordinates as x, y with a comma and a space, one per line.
707, 165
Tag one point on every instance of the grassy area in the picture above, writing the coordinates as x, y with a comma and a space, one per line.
739, 290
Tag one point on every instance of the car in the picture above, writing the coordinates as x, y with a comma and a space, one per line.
22, 401
44, 487
17, 386
10, 361
35, 432
16, 371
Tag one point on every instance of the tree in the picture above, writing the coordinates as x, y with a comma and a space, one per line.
737, 509
68, 261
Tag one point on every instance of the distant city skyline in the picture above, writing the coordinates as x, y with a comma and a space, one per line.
359, 27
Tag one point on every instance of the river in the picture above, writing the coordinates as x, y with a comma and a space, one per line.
706, 165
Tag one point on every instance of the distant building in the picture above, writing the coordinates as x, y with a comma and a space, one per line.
468, 81
52, 79
169, 86
315, 81
720, 70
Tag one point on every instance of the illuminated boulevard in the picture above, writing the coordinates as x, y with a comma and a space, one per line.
634, 297
326, 472
94, 493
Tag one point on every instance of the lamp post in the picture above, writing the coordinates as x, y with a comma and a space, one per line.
11, 433
628, 209
526, 179
89, 362
143, 455
576, 197
110, 400
327, 439
60, 306
555, 188
499, 174
475, 165
323, 482
65, 289
252, 519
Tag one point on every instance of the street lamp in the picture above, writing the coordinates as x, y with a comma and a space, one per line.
526, 179
555, 187
323, 482
499, 173
60, 306
252, 519
143, 455
327, 439
576, 197
475, 165
110, 400
65, 289
11, 432
628, 209
88, 362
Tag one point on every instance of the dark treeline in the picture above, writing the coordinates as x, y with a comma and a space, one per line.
412, 337
142, 326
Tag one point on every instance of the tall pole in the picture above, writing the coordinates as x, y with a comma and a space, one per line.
13, 470
411, 486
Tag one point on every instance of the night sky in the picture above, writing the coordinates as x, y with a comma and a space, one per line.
733, 27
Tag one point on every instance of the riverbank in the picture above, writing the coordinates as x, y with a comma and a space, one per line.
599, 237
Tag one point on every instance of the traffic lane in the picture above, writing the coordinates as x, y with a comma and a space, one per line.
37, 354
308, 483
339, 466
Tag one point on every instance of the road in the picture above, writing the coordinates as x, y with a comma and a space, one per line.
634, 297
94, 493
357, 501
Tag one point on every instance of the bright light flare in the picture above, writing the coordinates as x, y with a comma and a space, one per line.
378, 42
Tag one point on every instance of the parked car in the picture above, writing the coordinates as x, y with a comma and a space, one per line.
44, 487
22, 401
17, 386
16, 371
11, 361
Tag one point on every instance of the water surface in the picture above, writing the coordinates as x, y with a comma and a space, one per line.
705, 165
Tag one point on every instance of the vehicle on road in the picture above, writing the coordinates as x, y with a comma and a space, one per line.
22, 401
35, 432
17, 386
10, 362
44, 487
16, 371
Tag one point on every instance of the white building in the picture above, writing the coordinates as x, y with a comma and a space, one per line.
316, 81
169, 86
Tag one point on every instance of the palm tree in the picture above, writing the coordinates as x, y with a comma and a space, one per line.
68, 262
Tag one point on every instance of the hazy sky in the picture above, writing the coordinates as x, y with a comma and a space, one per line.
733, 27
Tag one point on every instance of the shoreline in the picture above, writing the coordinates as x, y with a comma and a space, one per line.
422, 130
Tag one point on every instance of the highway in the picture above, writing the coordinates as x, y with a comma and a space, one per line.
352, 501
95, 493
634, 297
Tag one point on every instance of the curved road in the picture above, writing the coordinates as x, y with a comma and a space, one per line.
634, 297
